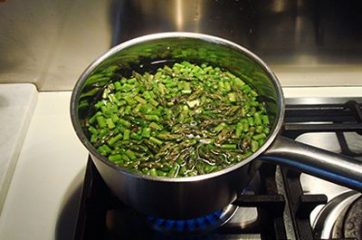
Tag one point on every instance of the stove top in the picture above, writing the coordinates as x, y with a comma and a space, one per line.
279, 203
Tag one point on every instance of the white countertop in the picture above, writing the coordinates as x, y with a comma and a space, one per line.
43, 197
17, 103
49, 171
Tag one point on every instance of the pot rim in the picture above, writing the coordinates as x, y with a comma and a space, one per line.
139, 40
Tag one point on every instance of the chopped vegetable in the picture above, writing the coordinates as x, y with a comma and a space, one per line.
181, 120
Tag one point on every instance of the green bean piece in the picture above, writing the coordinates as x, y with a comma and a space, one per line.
124, 122
146, 132
101, 121
168, 136
232, 97
131, 154
140, 100
245, 125
154, 125
94, 138
259, 129
238, 129
179, 120
92, 119
219, 127
135, 136
114, 118
251, 121
228, 146
93, 130
174, 171
127, 110
153, 102
227, 86
110, 123
153, 172
259, 136
254, 146
114, 139
104, 149
156, 141
126, 134
265, 119
115, 158
117, 86
152, 118
257, 119
209, 168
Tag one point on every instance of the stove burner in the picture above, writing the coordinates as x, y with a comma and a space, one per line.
340, 218
353, 220
193, 226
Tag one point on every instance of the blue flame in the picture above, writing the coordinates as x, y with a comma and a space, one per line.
189, 225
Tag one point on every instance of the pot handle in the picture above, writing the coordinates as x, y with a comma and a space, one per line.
330, 166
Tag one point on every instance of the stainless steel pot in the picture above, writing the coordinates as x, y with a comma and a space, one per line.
179, 198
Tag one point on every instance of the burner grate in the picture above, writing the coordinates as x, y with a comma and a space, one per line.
322, 118
300, 205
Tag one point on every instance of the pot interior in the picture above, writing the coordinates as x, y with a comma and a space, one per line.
148, 53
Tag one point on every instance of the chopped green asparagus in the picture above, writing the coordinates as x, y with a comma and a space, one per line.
180, 120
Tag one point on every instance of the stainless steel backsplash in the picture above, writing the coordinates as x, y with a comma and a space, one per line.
50, 43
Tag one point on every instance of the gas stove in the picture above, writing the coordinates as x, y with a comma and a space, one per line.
279, 203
